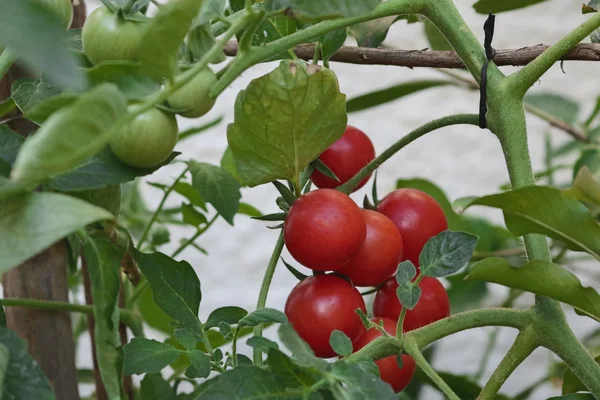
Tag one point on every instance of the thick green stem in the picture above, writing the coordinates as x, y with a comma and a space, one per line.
7, 58
522, 80
410, 345
523, 346
264, 291
458, 119
258, 54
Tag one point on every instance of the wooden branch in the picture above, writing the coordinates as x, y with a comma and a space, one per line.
434, 59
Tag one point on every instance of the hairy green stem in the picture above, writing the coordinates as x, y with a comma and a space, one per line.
524, 345
7, 59
522, 80
411, 347
467, 119
258, 54
264, 291
400, 323
191, 240
159, 208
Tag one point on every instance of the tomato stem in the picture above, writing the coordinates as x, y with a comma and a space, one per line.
264, 291
191, 240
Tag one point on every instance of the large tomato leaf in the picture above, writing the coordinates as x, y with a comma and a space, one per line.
10, 143
284, 120
36, 220
154, 386
546, 210
126, 75
147, 356
542, 278
372, 33
495, 6
61, 143
318, 10
244, 382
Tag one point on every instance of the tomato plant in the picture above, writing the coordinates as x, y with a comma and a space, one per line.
348, 155
158, 268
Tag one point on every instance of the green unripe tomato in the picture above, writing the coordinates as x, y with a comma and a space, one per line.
148, 140
62, 8
194, 96
107, 37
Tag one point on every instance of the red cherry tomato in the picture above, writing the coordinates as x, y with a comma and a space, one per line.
418, 218
348, 155
321, 304
432, 305
324, 229
380, 254
398, 377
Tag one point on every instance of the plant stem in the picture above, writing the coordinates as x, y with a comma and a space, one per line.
410, 346
469, 119
159, 208
400, 323
522, 80
7, 59
524, 345
191, 240
234, 347
264, 291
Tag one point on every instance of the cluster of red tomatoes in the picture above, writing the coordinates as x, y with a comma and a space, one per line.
326, 231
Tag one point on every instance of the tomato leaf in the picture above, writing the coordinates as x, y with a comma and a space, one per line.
126, 75
154, 386
211, 9
175, 288
465, 295
436, 40
186, 338
37, 220
10, 143
408, 295
284, 120
547, 210
200, 367
147, 356
190, 193
228, 164
340, 343
303, 355
249, 382
372, 33
28, 93
230, 315
557, 106
542, 278
60, 144
163, 36
261, 316
446, 253
104, 265
362, 381
392, 93
318, 10
218, 187
405, 273
495, 6
23, 377
262, 343
44, 47
290, 374
191, 216
332, 42
201, 40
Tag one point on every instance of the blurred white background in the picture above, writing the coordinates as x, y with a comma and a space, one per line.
462, 160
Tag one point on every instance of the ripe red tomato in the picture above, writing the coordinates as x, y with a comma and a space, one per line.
348, 155
324, 229
321, 304
432, 305
418, 218
398, 377
380, 254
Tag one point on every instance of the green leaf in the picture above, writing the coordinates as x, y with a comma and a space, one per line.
218, 187
446, 253
211, 9
408, 295
200, 363
7, 106
200, 40
108, 198
362, 381
186, 338
41, 111
44, 47
10, 143
318, 10
225, 330
392, 93
372, 33
24, 380
405, 273
163, 36
548, 211
37, 220
10, 188
495, 6
463, 386
331, 42
191, 216
272, 29
29, 93
101, 170
465, 295
262, 343
285, 192
436, 40
190, 193
542, 278
147, 356
126, 75
586, 188
557, 106
261, 316
303, 355
248, 210
175, 288
591, 6
104, 265
154, 387
340, 343
290, 374
230, 315
60, 144
152, 314
572, 384
284, 120
228, 164
245, 383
